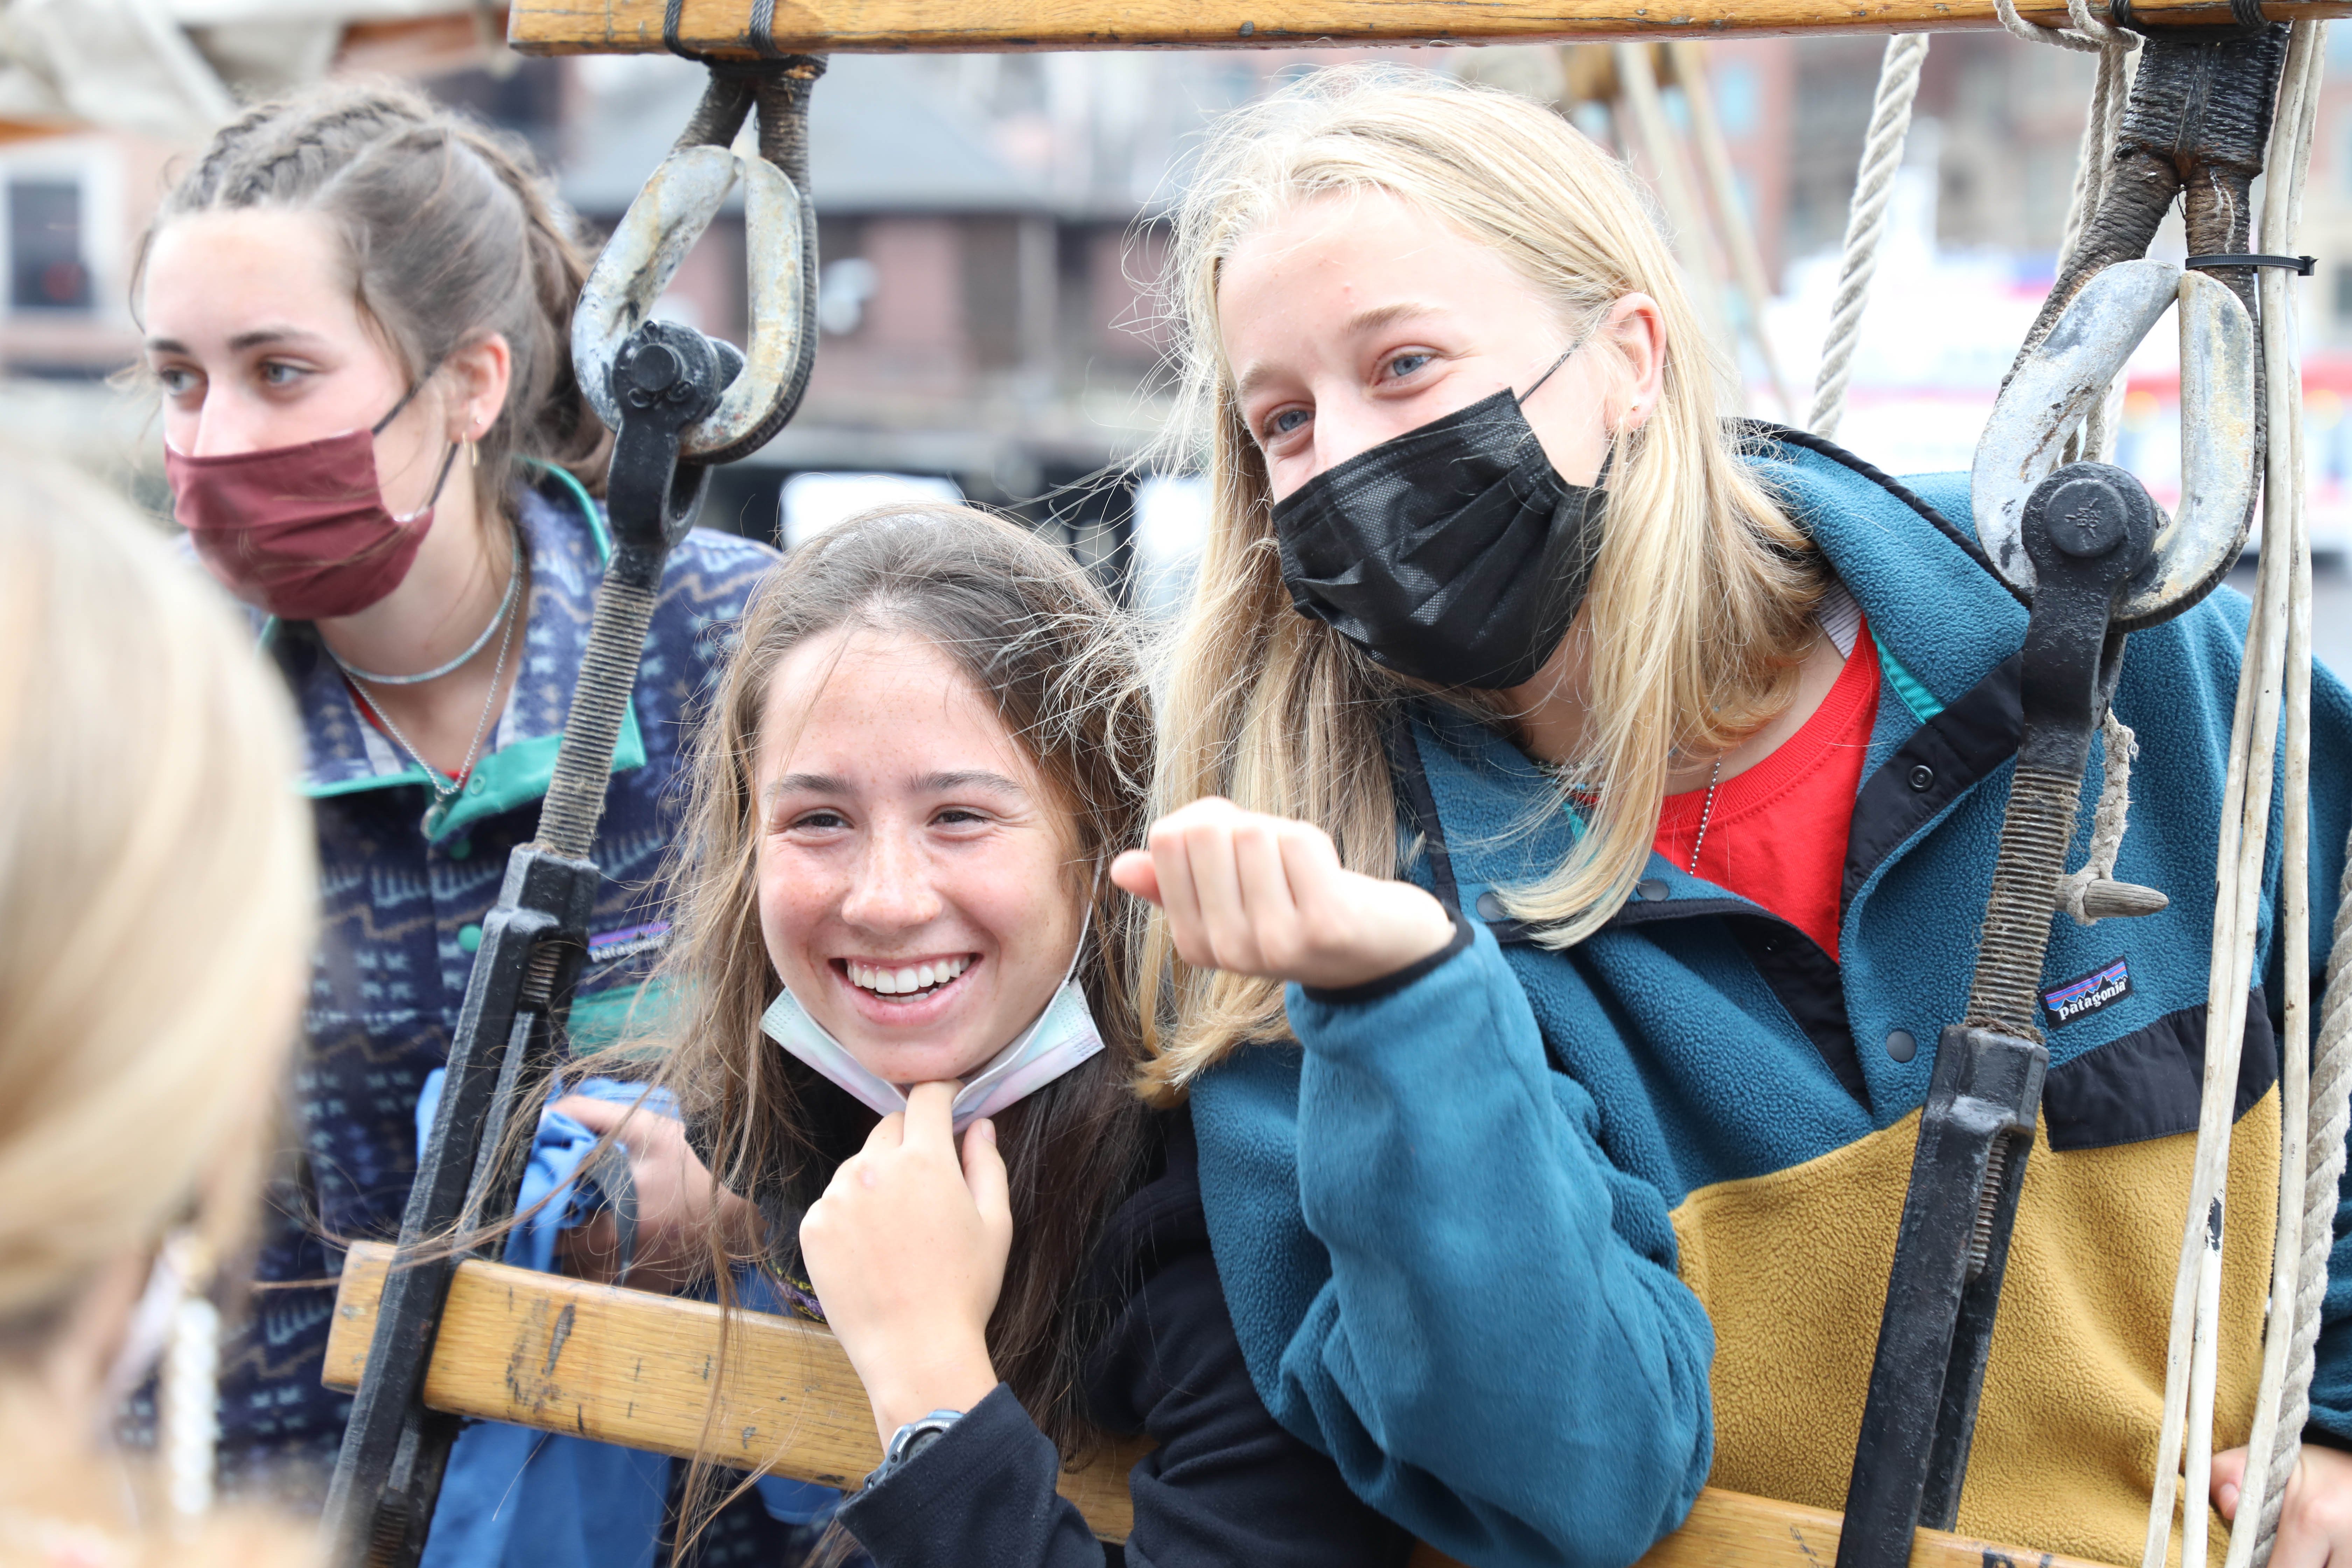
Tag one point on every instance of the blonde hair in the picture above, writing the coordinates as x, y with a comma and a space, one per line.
156, 895
1701, 598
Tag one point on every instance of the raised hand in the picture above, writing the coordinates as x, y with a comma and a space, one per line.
1253, 894
906, 1250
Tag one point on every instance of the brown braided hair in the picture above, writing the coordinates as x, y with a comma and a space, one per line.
452, 232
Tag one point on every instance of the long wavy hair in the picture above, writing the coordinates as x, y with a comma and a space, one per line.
1038, 638
1699, 609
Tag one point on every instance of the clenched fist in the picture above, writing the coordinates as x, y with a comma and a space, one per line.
1253, 894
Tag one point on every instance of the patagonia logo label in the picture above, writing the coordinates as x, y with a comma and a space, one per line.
2109, 982
607, 947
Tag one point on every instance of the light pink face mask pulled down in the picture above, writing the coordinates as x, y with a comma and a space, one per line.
1063, 1036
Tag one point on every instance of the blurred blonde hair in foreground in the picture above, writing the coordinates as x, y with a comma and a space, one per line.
156, 914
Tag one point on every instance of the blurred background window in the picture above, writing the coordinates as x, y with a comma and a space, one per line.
811, 503
47, 268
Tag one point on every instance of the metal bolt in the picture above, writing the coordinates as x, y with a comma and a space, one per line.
655, 366
2087, 518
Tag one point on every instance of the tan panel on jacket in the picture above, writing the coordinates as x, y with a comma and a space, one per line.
1792, 1269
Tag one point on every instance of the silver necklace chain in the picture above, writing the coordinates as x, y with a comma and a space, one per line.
1706, 814
514, 587
443, 791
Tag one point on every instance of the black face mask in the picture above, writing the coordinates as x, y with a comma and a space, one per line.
1454, 553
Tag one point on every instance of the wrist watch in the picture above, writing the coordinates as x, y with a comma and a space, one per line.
911, 1439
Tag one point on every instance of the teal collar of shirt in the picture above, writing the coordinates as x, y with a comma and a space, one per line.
567, 544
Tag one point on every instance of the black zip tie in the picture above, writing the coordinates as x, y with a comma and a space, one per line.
759, 34
2302, 265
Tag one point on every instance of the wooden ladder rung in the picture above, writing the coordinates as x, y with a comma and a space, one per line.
776, 1396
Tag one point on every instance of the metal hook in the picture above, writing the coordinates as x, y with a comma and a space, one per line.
2070, 370
763, 383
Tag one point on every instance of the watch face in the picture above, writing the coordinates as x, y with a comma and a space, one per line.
910, 1439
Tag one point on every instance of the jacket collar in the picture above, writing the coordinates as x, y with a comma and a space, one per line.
566, 545
1947, 621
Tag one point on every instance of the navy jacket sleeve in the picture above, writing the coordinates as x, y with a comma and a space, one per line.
1225, 1487
1493, 1344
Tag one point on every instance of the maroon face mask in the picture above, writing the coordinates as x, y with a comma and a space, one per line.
301, 531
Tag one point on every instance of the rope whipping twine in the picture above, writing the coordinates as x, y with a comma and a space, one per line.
2107, 822
1865, 224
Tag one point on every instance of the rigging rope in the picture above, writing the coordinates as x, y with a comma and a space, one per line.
2109, 93
2275, 673
2316, 1097
2312, 1095
1865, 223
1881, 155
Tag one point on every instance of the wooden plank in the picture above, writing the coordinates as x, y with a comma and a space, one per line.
641, 1369
722, 26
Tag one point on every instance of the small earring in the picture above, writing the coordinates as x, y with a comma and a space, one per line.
189, 1424
474, 453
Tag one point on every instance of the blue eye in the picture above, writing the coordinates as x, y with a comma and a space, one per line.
1403, 365
1289, 419
280, 374
176, 382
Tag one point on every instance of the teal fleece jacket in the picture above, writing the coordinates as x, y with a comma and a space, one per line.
1447, 1216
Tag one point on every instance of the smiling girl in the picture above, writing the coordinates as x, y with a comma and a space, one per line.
357, 310
895, 930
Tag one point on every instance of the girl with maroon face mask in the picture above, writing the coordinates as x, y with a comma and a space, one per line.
356, 308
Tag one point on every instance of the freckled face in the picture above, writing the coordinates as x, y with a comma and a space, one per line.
917, 886
1352, 318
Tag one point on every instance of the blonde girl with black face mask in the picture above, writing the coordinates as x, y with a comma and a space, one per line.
1577, 817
